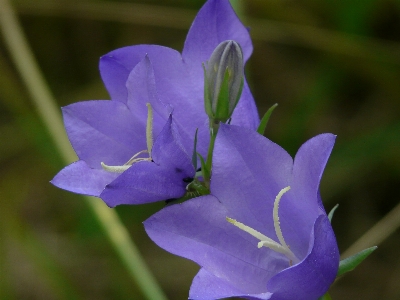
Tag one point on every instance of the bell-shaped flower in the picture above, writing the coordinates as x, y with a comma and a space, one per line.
111, 137
262, 233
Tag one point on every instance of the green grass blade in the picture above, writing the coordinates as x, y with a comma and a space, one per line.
50, 115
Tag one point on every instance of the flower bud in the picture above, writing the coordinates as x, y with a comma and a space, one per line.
223, 81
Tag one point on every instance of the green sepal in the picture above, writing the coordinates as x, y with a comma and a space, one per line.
182, 199
222, 112
207, 100
193, 190
350, 263
232, 106
194, 155
325, 297
330, 215
198, 187
204, 169
265, 118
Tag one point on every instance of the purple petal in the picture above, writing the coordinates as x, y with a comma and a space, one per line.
116, 66
171, 79
206, 286
141, 88
248, 172
103, 131
215, 22
161, 179
309, 164
301, 206
144, 182
79, 178
198, 230
245, 113
172, 83
311, 278
169, 152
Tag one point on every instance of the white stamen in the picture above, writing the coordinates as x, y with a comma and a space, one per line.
149, 128
135, 158
277, 225
265, 241
115, 169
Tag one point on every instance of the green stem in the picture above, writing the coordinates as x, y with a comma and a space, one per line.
50, 115
378, 233
213, 134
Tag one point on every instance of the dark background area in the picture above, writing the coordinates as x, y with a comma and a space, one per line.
332, 66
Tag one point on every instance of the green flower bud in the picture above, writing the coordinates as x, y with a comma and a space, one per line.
223, 81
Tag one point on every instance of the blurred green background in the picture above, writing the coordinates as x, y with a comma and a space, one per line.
332, 66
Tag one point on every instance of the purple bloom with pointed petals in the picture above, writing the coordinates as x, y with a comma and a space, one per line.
250, 184
112, 132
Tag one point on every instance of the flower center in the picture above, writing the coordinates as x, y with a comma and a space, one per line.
265, 241
135, 158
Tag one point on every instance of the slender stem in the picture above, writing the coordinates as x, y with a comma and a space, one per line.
213, 134
50, 115
211, 148
378, 233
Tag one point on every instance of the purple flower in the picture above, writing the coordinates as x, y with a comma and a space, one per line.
282, 247
116, 132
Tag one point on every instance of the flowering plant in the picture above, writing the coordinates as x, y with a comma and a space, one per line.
110, 137
253, 219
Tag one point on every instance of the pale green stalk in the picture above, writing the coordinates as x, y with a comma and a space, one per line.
378, 233
50, 115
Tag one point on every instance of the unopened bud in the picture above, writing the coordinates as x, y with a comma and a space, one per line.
223, 81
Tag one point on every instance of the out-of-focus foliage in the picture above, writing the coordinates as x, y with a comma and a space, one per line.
333, 66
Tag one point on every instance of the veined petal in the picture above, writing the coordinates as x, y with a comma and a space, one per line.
249, 171
309, 164
197, 229
303, 205
311, 278
103, 131
206, 286
116, 66
79, 178
246, 113
215, 22
144, 182
142, 89
169, 152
